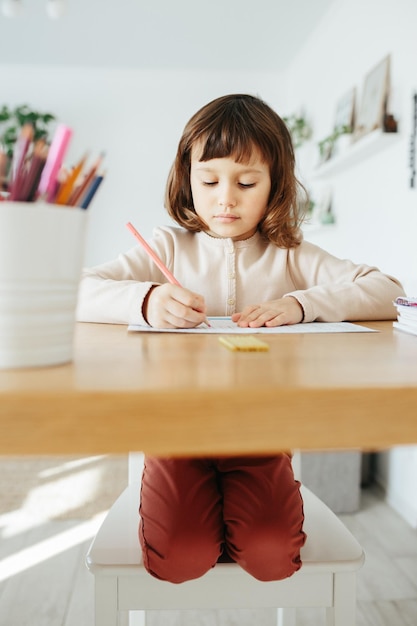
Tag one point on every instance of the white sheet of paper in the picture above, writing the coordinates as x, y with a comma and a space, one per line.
226, 326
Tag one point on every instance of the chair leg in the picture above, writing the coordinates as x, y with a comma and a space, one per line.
330, 616
137, 618
105, 601
344, 609
286, 617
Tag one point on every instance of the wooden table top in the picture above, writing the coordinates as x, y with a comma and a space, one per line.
184, 394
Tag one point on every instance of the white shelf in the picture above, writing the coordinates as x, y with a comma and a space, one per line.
366, 146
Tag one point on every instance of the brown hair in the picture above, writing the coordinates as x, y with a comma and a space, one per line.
234, 125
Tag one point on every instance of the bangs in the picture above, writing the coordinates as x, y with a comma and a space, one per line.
222, 143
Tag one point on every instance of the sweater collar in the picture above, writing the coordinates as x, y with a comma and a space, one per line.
227, 242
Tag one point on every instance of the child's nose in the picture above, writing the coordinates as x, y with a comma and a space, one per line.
227, 197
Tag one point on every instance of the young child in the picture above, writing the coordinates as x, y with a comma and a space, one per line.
238, 252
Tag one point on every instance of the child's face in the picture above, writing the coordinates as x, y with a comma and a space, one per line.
230, 197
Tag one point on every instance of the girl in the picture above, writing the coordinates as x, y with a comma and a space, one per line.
239, 252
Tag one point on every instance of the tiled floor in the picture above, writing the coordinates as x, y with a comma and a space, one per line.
43, 580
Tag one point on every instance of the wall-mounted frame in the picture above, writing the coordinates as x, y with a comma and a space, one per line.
374, 99
345, 110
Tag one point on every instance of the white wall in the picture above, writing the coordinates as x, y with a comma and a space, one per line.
137, 118
375, 209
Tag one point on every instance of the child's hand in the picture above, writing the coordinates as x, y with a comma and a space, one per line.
171, 306
275, 313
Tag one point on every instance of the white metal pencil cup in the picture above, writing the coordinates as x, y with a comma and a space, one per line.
41, 256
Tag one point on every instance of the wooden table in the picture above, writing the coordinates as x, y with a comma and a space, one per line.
187, 394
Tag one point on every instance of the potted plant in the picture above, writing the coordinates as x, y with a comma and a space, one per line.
12, 121
299, 128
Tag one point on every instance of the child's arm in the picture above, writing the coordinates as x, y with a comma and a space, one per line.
103, 298
324, 288
115, 292
331, 289
132, 289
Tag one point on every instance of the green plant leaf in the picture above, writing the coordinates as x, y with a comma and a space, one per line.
12, 120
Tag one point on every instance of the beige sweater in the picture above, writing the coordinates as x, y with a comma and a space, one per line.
232, 274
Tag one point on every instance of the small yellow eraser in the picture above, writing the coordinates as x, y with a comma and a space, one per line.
244, 343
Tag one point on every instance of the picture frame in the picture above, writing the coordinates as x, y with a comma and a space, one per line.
345, 110
374, 98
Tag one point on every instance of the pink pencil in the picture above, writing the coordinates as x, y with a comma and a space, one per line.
171, 278
56, 153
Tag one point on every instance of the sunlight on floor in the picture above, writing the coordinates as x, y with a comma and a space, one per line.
58, 491
42, 551
55, 497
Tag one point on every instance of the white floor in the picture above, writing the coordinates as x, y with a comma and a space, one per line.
43, 580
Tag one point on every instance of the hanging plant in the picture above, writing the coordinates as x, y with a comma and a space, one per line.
326, 145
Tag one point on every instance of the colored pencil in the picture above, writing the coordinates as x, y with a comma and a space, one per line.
56, 153
3, 170
18, 163
90, 193
82, 188
37, 163
21, 148
67, 187
168, 275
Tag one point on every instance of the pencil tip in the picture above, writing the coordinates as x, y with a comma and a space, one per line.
27, 131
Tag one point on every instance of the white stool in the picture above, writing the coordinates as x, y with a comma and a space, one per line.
331, 557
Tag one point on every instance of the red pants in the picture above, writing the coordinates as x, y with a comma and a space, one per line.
195, 512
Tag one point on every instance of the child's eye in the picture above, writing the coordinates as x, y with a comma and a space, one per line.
246, 185
209, 183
